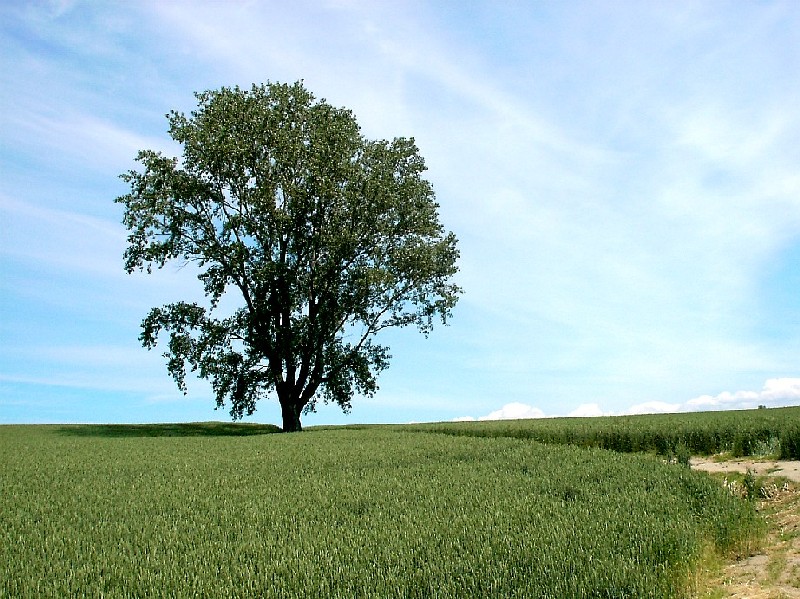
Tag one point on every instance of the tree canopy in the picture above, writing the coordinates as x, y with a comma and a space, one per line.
325, 237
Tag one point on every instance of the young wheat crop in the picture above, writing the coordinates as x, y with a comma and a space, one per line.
349, 513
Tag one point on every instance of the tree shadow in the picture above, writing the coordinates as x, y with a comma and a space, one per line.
180, 429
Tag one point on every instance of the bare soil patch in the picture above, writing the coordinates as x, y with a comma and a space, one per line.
785, 468
774, 571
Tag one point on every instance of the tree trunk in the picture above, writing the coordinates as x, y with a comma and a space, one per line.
291, 417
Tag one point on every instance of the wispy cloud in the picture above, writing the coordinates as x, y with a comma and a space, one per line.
96, 143
65, 239
621, 180
80, 366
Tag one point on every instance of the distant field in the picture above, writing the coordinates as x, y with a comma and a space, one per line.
222, 511
774, 431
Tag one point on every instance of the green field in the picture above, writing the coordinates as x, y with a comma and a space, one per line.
774, 432
231, 511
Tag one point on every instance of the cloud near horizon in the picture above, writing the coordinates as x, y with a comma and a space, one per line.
622, 179
776, 393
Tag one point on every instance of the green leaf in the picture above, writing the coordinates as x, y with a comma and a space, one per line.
308, 228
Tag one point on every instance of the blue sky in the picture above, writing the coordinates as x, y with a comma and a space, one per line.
623, 178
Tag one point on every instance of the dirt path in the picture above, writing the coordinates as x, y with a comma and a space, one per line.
787, 469
774, 572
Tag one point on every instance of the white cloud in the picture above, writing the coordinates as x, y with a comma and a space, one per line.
614, 223
514, 411
521, 411
776, 392
587, 410
653, 407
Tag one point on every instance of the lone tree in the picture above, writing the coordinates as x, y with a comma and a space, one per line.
325, 236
